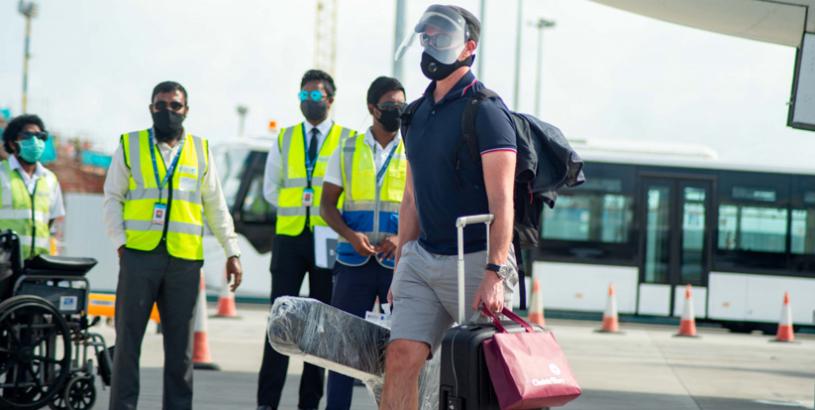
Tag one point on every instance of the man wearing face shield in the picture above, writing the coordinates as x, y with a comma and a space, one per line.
443, 183
160, 188
370, 169
293, 183
28, 186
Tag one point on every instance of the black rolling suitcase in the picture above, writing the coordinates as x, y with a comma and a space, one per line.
465, 380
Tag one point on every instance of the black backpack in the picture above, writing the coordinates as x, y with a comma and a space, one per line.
545, 164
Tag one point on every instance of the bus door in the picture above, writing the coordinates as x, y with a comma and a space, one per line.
675, 242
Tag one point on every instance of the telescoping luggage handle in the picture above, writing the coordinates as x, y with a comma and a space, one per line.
461, 222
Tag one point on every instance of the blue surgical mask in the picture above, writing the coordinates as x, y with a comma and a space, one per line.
31, 149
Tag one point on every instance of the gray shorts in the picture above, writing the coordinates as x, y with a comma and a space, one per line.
425, 292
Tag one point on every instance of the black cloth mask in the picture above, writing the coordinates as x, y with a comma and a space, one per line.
314, 111
436, 70
167, 124
391, 120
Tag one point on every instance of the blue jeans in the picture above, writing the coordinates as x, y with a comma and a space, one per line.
355, 288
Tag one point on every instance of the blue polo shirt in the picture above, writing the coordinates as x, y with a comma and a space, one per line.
434, 142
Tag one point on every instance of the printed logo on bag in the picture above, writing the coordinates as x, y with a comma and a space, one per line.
555, 370
547, 381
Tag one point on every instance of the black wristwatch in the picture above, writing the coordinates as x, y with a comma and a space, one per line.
502, 271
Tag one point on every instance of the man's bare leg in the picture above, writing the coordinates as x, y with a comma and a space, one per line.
403, 362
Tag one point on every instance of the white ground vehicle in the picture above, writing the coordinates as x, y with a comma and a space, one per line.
653, 220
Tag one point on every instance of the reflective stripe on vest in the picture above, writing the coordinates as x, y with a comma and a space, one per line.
25, 213
364, 200
291, 214
185, 222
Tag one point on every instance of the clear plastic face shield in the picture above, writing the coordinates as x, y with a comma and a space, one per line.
441, 32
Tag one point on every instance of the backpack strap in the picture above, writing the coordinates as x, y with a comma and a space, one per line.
468, 126
407, 116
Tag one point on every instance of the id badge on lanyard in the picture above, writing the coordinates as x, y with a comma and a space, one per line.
159, 213
159, 208
308, 191
308, 196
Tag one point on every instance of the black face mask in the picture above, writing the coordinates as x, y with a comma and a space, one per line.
391, 120
436, 70
314, 111
167, 124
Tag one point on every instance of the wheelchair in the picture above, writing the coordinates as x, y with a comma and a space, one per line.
44, 332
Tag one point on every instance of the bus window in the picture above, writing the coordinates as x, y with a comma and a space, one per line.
753, 222
590, 217
594, 222
752, 228
803, 231
658, 234
802, 221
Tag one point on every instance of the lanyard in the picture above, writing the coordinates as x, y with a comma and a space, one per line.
167, 175
381, 173
310, 164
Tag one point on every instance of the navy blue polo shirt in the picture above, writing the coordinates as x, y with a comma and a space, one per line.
433, 144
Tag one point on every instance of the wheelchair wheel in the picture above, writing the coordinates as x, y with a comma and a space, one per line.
59, 401
80, 394
35, 352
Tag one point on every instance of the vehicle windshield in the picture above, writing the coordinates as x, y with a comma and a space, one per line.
231, 164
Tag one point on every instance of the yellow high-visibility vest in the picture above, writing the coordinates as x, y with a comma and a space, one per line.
184, 223
370, 206
291, 213
25, 213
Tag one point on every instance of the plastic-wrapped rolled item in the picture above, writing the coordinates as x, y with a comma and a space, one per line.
328, 337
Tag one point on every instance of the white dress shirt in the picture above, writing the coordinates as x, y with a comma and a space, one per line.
333, 171
216, 211
273, 175
57, 206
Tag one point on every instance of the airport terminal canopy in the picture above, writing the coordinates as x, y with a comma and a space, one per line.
784, 22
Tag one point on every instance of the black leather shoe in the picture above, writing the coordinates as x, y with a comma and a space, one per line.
265, 408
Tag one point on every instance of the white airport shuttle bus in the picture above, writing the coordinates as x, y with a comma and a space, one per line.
649, 220
652, 220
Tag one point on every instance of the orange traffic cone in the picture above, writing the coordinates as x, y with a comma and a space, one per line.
687, 325
201, 358
536, 305
226, 301
785, 332
611, 321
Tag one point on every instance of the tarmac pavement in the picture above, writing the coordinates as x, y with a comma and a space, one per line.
643, 368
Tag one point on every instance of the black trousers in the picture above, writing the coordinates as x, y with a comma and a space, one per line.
292, 257
173, 283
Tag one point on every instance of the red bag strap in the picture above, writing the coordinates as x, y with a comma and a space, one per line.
508, 313
494, 318
517, 319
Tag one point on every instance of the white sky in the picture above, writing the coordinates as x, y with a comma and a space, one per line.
607, 74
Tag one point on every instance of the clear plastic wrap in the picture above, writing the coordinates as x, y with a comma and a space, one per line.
328, 337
